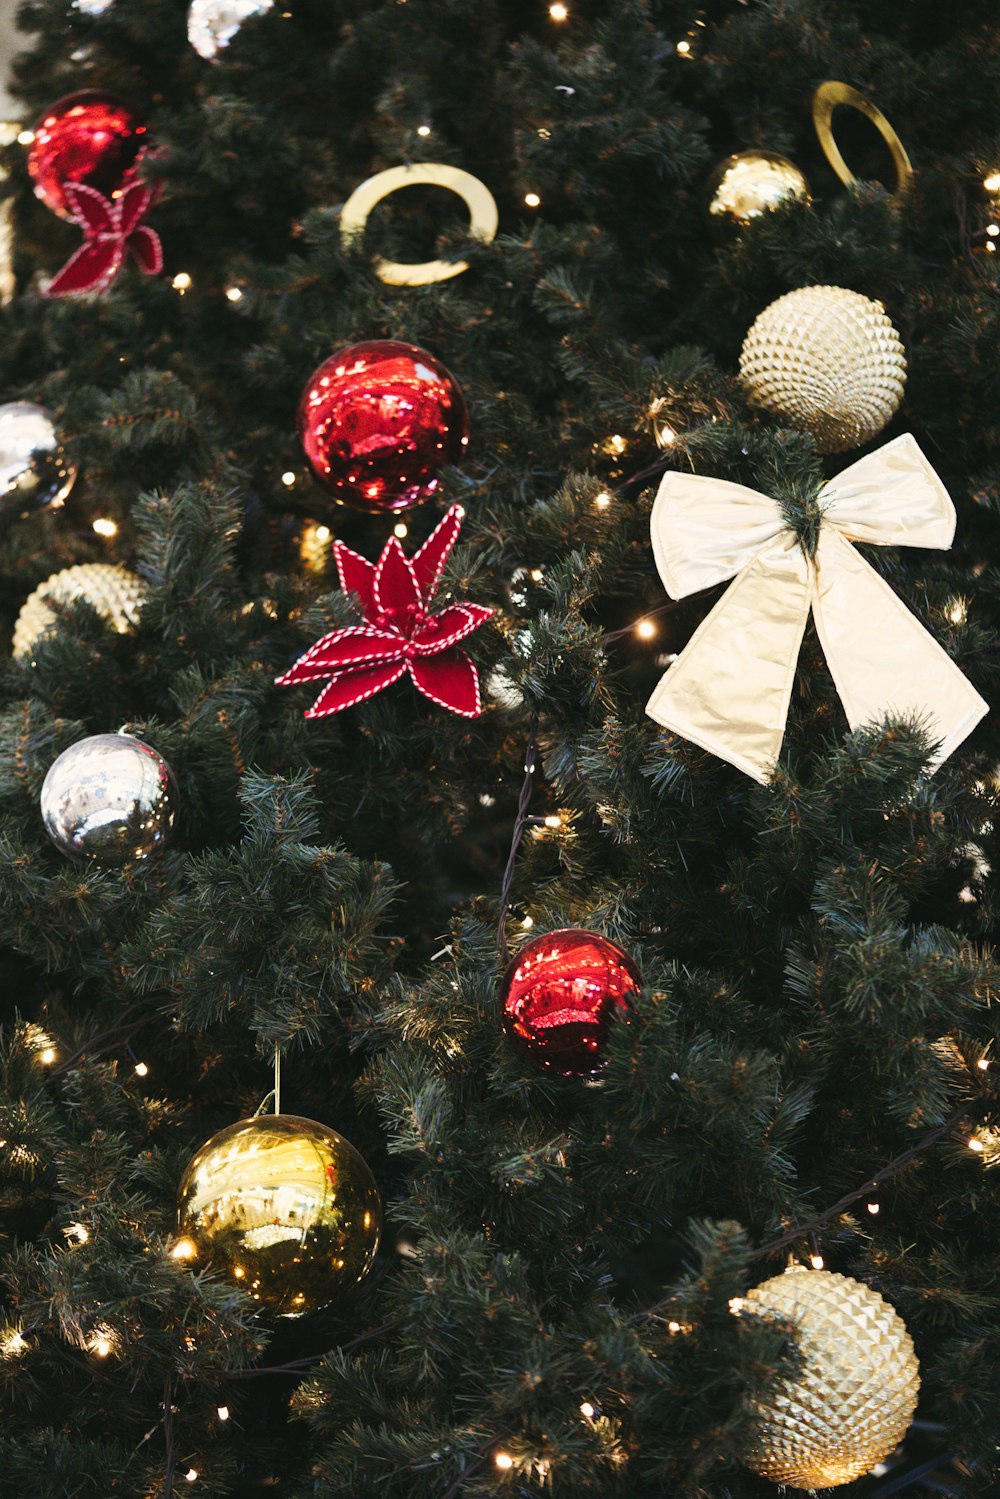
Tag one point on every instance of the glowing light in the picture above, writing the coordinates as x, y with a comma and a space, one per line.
976, 1145
615, 445
184, 1249
141, 1070
181, 282
983, 1064
993, 230
536, 575
400, 530
77, 1231
873, 1208
602, 501
674, 1327
13, 1344
586, 1409
553, 821
234, 294
991, 183
223, 1413
816, 1260
736, 1304
558, 11
684, 48
957, 611
532, 200
191, 1475
323, 533
102, 1342
288, 478
503, 1461
104, 526
47, 1056
26, 138
645, 629
544, 134
527, 923
423, 130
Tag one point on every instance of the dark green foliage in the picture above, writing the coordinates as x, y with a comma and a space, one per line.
819, 973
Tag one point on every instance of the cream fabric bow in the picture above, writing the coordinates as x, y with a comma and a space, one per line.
729, 689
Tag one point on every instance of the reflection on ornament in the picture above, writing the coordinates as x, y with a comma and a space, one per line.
36, 472
825, 101
752, 183
89, 137
559, 996
212, 24
285, 1208
852, 1400
109, 798
378, 421
484, 217
113, 591
826, 361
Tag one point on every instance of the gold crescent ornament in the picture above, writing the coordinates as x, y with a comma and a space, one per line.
484, 217
853, 1397
284, 1208
825, 101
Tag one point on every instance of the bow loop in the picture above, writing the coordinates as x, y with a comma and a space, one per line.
730, 687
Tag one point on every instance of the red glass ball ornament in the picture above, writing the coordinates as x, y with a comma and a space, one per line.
378, 421
89, 137
559, 995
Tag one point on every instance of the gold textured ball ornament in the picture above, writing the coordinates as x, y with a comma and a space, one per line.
113, 591
749, 184
285, 1208
827, 361
853, 1398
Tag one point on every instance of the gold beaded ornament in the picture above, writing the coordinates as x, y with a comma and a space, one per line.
825, 101
852, 1399
112, 590
827, 361
484, 217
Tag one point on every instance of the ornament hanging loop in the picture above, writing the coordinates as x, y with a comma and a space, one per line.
274, 1096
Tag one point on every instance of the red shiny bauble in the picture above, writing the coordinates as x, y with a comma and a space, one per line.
88, 137
378, 421
559, 995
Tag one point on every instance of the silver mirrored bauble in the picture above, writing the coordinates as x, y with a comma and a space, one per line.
212, 24
110, 798
36, 471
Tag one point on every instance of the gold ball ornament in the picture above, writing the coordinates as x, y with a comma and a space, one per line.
749, 184
853, 1398
827, 361
285, 1208
113, 591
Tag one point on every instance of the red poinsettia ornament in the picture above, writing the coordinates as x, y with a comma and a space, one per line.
400, 635
112, 227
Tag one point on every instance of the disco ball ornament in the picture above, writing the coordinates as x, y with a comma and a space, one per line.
853, 1397
749, 184
109, 798
89, 137
212, 24
36, 471
113, 591
284, 1208
827, 361
559, 995
378, 421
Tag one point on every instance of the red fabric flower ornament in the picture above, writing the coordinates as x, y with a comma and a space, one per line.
400, 634
111, 227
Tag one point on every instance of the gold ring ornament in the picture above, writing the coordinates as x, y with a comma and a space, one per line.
825, 101
484, 217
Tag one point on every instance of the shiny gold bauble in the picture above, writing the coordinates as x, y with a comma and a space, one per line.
853, 1397
752, 183
826, 361
113, 591
285, 1208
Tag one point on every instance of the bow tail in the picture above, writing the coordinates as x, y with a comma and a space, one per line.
730, 687
881, 657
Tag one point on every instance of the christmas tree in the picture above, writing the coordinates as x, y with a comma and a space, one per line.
622, 1013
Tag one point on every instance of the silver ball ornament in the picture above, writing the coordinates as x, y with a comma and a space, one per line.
36, 471
212, 24
110, 798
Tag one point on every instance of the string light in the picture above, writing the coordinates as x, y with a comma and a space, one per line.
223, 1413
181, 282
536, 575
184, 1249
683, 48
13, 1343
993, 230
527, 923
234, 294
423, 130
991, 183
47, 1056
532, 200
323, 533
544, 133
615, 445
957, 611
191, 1475
588, 1410
400, 530
558, 11
553, 821
873, 1208
77, 1231
816, 1260
645, 629
288, 478
603, 500
983, 1064
503, 1461
976, 1145
141, 1070
104, 526
102, 1343
736, 1304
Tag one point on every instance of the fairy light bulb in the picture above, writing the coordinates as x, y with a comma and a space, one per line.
817, 1261
532, 200
553, 820
683, 48
586, 1409
424, 130
503, 1461
288, 478
602, 501
223, 1413
527, 923
184, 1249
983, 1064
674, 1327
975, 1145
47, 1056
873, 1208
991, 183
141, 1070
26, 138
181, 282
234, 294
77, 1231
191, 1475
401, 530
558, 11
104, 526
645, 629
13, 1343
